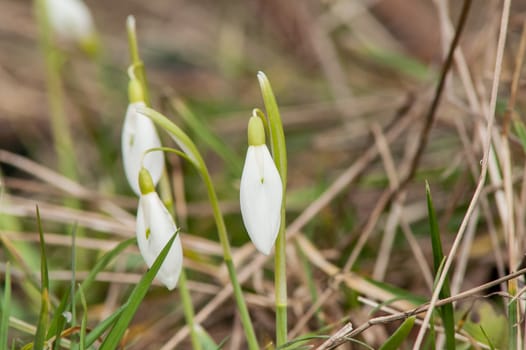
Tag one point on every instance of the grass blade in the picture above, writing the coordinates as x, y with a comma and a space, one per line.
6, 309
430, 343
205, 340
102, 263
113, 338
438, 254
84, 322
97, 332
40, 336
487, 338
520, 129
73, 278
58, 321
446, 311
398, 337
513, 323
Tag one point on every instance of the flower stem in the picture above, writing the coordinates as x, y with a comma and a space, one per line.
227, 255
188, 310
60, 130
194, 157
186, 299
279, 153
59, 126
280, 281
164, 184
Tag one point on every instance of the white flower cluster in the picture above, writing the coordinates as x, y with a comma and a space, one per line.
261, 188
155, 226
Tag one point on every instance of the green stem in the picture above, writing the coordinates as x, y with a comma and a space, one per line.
194, 157
188, 310
188, 307
61, 133
280, 281
279, 153
513, 311
137, 63
59, 126
165, 190
164, 183
227, 255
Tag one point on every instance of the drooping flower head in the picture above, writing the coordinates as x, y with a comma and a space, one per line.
138, 136
155, 226
261, 190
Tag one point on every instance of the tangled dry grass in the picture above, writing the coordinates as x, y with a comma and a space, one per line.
356, 82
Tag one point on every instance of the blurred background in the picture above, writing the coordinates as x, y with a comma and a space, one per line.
345, 74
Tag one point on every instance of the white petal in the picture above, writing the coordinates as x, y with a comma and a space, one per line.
138, 136
153, 216
70, 19
261, 193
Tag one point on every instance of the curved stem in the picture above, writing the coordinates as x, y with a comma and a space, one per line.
164, 184
194, 157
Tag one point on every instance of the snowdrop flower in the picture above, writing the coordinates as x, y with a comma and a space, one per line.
71, 20
138, 136
155, 227
261, 190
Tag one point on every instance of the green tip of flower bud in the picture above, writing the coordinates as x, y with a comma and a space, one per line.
256, 132
145, 181
135, 93
91, 45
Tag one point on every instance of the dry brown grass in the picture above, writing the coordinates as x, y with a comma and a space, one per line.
362, 138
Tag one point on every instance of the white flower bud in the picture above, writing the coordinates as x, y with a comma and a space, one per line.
71, 20
138, 136
261, 193
155, 227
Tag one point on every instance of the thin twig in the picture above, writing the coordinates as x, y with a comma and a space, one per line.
437, 328
388, 195
430, 116
425, 308
483, 173
336, 338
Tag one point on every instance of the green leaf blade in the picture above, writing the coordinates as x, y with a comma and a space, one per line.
398, 337
84, 322
102, 263
58, 321
6, 309
113, 338
43, 319
446, 311
97, 332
